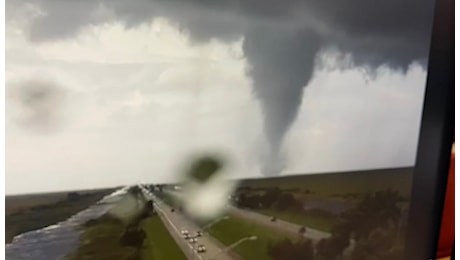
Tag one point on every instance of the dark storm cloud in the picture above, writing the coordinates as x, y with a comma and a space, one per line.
353, 25
281, 38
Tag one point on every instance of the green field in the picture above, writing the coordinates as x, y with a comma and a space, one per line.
101, 240
233, 229
329, 184
159, 243
316, 219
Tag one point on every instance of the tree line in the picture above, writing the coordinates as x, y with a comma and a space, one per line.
373, 229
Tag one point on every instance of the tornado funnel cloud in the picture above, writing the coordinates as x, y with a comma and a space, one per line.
281, 63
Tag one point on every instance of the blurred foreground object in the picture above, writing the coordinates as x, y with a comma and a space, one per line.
447, 232
38, 104
204, 168
205, 188
130, 206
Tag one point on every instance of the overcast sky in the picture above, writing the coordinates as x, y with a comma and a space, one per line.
132, 89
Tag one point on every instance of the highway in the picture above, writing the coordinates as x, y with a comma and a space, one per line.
280, 225
175, 222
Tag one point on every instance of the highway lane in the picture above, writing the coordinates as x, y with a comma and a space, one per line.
280, 225
175, 222
286, 227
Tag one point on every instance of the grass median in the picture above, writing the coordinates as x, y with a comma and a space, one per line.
159, 244
316, 219
233, 229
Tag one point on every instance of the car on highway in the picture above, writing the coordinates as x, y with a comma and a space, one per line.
186, 236
201, 249
199, 234
273, 219
193, 240
184, 231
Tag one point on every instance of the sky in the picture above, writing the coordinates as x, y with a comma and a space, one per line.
112, 93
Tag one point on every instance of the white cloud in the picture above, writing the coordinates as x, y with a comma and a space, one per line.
131, 117
142, 100
347, 122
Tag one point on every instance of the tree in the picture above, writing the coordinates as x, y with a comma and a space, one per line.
270, 197
379, 245
331, 248
288, 201
376, 212
249, 201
